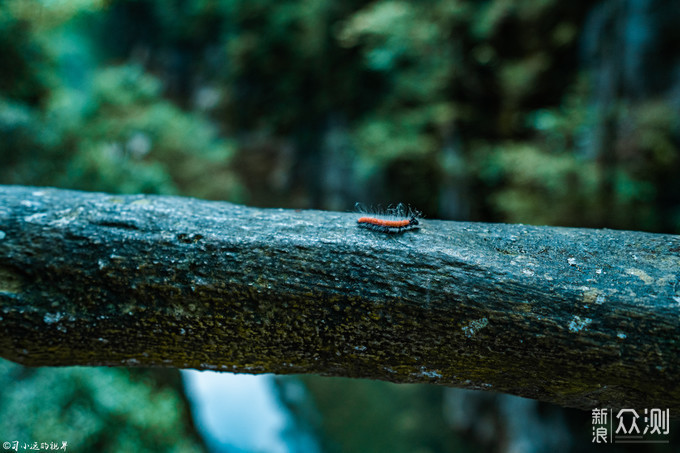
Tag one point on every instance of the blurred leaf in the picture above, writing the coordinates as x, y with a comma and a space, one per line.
93, 409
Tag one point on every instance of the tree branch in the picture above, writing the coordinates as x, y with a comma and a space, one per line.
577, 317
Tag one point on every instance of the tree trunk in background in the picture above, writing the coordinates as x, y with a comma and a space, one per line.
605, 44
630, 52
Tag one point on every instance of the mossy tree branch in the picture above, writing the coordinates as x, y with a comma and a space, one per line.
577, 317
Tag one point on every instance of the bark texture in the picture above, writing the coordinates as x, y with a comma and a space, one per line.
581, 318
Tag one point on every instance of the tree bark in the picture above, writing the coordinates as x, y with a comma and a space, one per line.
581, 318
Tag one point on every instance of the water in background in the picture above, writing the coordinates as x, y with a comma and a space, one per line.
239, 412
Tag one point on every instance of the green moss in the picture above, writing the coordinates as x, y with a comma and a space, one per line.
10, 281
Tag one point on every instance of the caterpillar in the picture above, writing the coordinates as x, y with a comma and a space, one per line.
393, 221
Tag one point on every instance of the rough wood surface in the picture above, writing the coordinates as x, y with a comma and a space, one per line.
582, 318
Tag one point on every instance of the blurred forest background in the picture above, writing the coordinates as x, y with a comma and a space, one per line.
531, 111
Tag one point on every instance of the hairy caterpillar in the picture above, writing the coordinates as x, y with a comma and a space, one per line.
393, 221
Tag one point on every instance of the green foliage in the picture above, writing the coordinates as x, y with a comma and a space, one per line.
550, 179
408, 79
69, 123
364, 415
131, 140
653, 124
93, 409
549, 188
47, 14
408, 46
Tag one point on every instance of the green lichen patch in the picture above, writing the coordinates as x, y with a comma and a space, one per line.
10, 280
